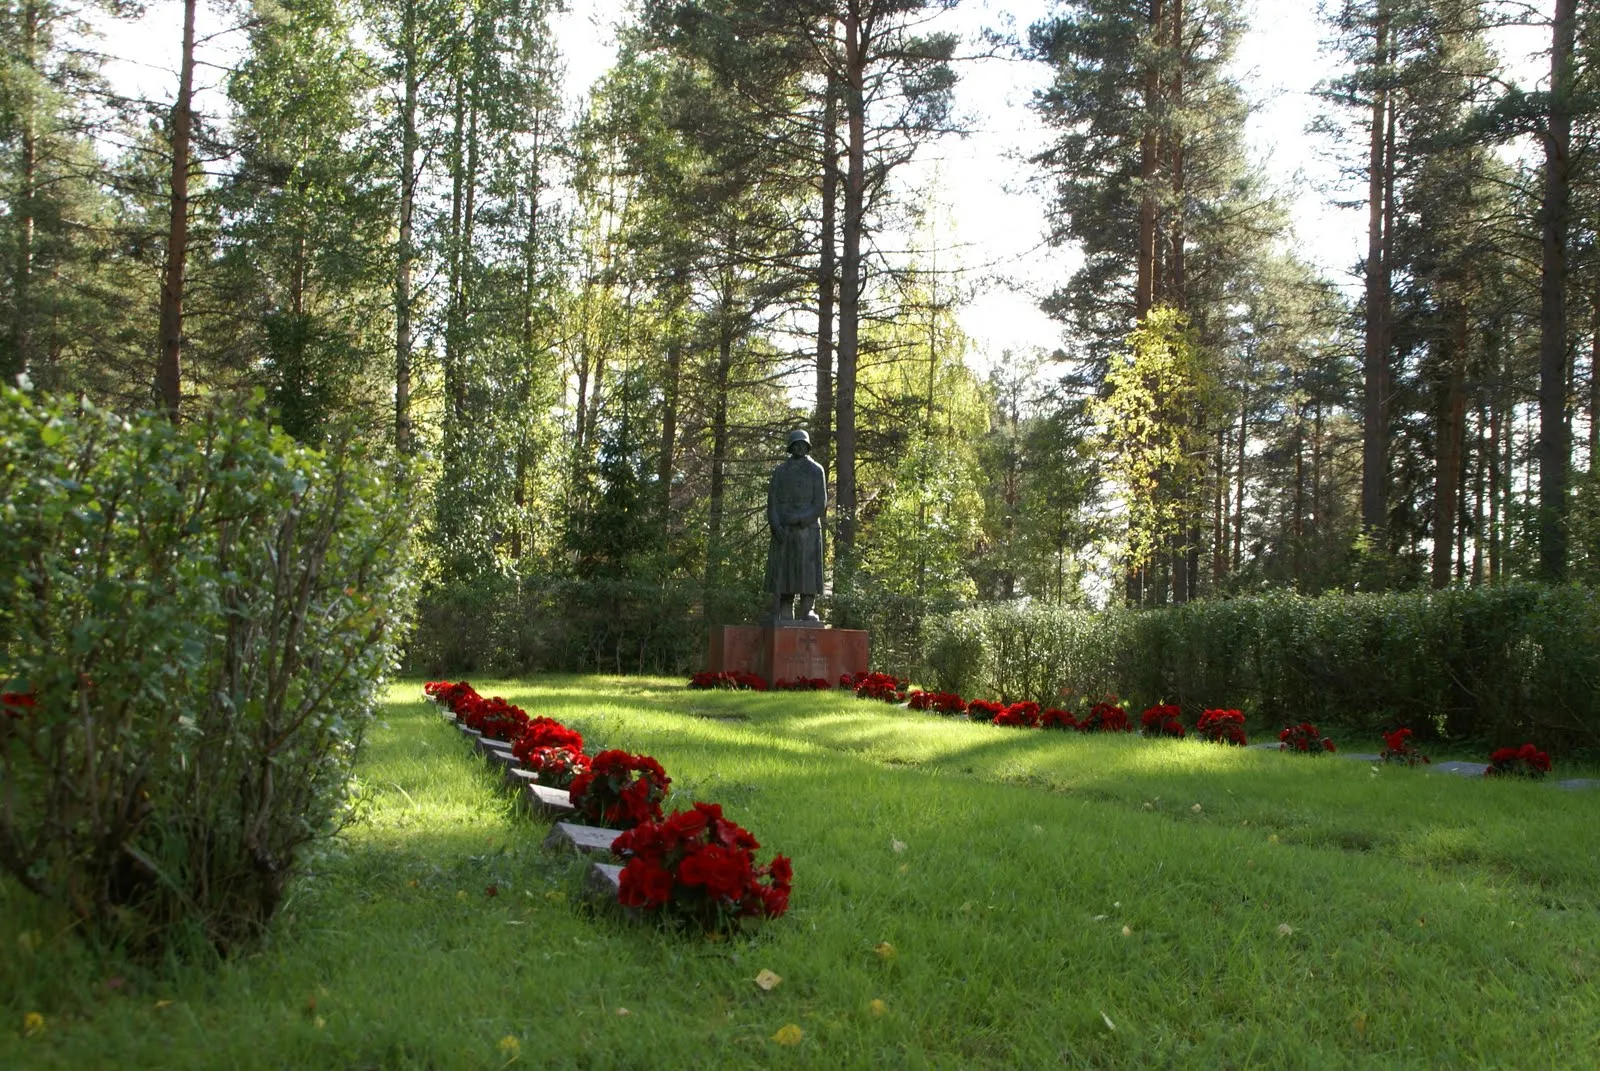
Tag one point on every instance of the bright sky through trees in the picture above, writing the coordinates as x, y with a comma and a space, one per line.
980, 183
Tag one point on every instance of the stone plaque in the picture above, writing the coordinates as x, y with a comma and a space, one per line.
592, 840
554, 802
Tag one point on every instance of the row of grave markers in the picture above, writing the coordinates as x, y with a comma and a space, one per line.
604, 879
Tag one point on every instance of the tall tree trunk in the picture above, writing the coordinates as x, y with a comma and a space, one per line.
456, 250
1149, 162
1375, 363
857, 43
168, 388
1450, 437
22, 210
1297, 526
404, 254
1594, 380
827, 269
1175, 266
719, 444
1238, 512
1219, 512
1554, 449
1483, 459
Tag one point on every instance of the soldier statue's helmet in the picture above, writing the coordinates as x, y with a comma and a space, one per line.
798, 435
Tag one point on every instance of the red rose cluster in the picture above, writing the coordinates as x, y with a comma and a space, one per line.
1056, 718
620, 790
1164, 719
1024, 715
1222, 727
1397, 747
1304, 738
700, 867
552, 750
735, 679
1105, 717
884, 686
1525, 761
984, 710
937, 702
801, 684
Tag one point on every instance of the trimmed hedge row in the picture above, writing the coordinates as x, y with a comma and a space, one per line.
1499, 664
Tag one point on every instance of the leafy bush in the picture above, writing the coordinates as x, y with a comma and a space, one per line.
1500, 664
200, 616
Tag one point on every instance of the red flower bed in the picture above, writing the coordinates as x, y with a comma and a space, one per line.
1019, 716
728, 679
937, 702
700, 867
494, 718
557, 767
1525, 761
802, 684
1056, 718
1304, 738
1397, 747
546, 732
984, 710
1222, 727
875, 686
454, 697
1162, 720
620, 790
1105, 718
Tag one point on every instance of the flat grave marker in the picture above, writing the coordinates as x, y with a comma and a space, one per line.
593, 840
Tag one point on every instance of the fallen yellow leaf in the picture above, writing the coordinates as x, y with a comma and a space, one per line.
1284, 929
510, 1046
163, 1003
622, 1012
898, 846
789, 1034
1127, 932
884, 950
32, 1023
1196, 808
877, 1008
768, 980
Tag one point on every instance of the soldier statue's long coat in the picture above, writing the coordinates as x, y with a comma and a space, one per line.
798, 492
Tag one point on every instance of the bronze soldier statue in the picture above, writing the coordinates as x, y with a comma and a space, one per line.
797, 497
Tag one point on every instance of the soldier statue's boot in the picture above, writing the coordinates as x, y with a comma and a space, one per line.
807, 611
785, 607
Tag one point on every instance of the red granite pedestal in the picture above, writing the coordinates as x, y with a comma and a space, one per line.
777, 653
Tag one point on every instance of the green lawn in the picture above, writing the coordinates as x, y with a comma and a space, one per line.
1050, 898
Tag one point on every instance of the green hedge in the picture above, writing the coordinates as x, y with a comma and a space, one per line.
193, 624
1497, 665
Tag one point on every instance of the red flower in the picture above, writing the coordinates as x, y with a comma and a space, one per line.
620, 790
542, 732
1304, 738
1105, 717
1162, 720
1525, 761
1222, 727
698, 865
984, 710
938, 702
1056, 718
1397, 747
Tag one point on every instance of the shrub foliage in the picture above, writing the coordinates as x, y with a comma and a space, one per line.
200, 616
1502, 664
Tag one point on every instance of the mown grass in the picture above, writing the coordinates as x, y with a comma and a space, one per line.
1057, 900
